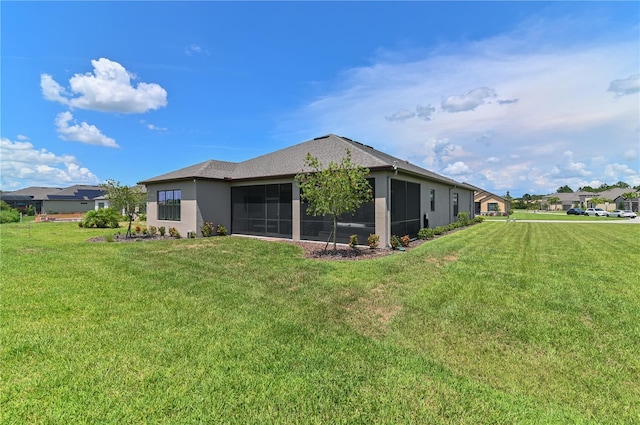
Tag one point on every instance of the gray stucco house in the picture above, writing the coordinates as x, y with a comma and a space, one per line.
259, 196
50, 200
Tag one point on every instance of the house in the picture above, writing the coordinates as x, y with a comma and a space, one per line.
259, 197
50, 200
100, 202
584, 200
487, 203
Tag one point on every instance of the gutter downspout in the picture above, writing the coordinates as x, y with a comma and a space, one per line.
387, 218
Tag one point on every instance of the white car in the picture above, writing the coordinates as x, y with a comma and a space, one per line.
615, 213
629, 214
597, 212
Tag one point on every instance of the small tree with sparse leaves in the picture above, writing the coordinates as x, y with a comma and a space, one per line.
334, 190
129, 200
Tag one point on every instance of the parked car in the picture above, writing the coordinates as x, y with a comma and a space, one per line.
575, 211
596, 212
615, 213
629, 214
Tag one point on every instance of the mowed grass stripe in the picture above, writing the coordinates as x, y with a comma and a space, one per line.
501, 322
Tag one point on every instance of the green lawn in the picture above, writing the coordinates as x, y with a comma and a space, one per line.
497, 323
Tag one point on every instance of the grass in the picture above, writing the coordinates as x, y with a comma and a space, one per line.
497, 323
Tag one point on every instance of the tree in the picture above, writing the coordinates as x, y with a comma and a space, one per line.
127, 199
334, 190
630, 196
564, 189
509, 200
598, 200
553, 200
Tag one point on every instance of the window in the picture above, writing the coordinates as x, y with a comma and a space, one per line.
169, 205
432, 199
492, 206
405, 208
455, 205
100, 205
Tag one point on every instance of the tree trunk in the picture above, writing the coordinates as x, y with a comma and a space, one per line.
335, 228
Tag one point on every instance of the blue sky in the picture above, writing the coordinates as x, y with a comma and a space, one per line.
524, 97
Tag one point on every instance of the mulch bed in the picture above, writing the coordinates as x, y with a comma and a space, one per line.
313, 250
344, 252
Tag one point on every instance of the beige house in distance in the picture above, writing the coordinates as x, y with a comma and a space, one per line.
259, 196
487, 203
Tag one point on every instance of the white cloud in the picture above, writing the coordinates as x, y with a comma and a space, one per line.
152, 126
538, 97
83, 132
23, 165
401, 115
569, 168
192, 49
108, 89
53, 91
458, 168
621, 172
468, 101
425, 112
22, 137
625, 87
156, 128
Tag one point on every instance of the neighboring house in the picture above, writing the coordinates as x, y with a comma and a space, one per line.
487, 203
259, 196
583, 200
23, 198
101, 202
49, 200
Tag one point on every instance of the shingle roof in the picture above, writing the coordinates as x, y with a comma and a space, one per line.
35, 192
289, 162
78, 193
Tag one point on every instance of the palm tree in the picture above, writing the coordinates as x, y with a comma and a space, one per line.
630, 196
553, 200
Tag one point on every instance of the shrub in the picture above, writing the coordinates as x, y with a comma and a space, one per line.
9, 216
173, 232
463, 218
373, 241
405, 240
452, 226
161, 230
426, 233
221, 230
395, 242
353, 241
438, 230
142, 217
102, 218
206, 229
31, 211
153, 230
108, 238
478, 219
